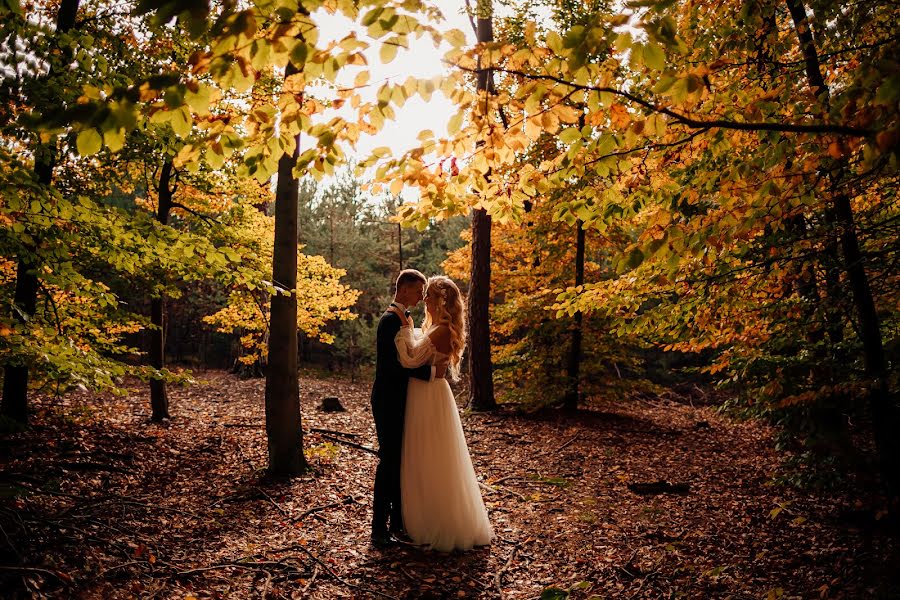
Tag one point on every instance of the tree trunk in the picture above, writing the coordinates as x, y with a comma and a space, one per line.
885, 413
571, 401
283, 427
15, 376
481, 381
159, 397
481, 372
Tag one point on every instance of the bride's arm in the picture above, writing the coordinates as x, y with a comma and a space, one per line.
413, 352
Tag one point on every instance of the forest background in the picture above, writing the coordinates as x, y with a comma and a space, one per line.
632, 196
715, 191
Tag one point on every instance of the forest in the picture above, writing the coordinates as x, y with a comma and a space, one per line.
674, 225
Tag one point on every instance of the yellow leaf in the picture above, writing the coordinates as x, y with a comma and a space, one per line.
388, 52
554, 42
550, 122
566, 113
455, 38
88, 142
114, 139
455, 123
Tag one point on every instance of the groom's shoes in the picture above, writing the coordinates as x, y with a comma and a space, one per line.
381, 539
400, 536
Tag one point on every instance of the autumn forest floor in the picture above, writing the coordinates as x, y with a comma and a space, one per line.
97, 502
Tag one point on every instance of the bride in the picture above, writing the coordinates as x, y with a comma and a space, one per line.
441, 502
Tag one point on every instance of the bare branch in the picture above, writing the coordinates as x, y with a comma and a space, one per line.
690, 121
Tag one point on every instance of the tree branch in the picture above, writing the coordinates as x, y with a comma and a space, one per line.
206, 218
686, 120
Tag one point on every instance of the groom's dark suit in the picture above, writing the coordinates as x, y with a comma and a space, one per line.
388, 409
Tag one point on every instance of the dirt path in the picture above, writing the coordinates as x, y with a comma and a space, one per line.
99, 503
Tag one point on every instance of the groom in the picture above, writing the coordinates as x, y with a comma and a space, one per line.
389, 407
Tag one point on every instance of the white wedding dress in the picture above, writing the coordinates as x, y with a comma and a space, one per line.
441, 501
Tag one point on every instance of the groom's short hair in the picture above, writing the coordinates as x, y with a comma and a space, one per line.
409, 277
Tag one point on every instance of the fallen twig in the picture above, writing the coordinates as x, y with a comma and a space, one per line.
334, 438
91, 466
336, 577
9, 542
123, 565
310, 582
628, 564
569, 443
55, 574
502, 490
498, 578
275, 504
265, 590
507, 478
315, 509
334, 432
254, 566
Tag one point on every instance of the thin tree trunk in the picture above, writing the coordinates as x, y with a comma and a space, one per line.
481, 381
15, 376
481, 372
885, 413
159, 397
283, 426
574, 366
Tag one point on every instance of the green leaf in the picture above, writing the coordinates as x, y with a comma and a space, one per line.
11, 6
554, 593
569, 135
889, 90
199, 100
230, 254
635, 258
581, 585
636, 58
654, 57
214, 159
88, 142
114, 139
623, 42
181, 121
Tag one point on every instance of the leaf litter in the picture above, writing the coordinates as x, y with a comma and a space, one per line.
636, 499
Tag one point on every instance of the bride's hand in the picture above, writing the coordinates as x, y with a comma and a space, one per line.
404, 320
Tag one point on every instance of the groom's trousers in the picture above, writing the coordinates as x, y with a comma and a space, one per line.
386, 501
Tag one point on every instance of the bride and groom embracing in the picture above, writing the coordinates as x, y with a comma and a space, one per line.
425, 485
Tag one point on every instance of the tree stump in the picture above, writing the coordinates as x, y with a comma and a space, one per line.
659, 487
332, 404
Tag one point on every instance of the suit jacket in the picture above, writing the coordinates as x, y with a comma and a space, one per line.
391, 378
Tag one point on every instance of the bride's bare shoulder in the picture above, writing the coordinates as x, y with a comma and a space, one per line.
440, 337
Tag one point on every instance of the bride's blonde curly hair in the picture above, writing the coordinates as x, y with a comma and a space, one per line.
450, 312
